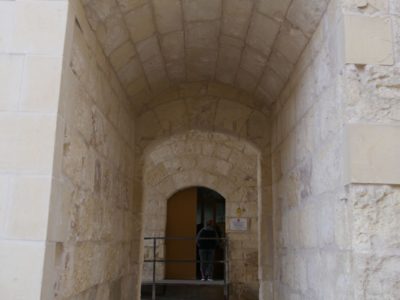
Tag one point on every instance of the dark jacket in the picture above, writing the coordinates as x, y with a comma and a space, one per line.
207, 232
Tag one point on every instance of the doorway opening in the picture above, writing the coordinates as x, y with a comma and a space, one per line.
188, 211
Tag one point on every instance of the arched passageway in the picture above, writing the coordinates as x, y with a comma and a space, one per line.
109, 107
219, 162
195, 261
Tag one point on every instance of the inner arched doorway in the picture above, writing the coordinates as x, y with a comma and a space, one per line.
226, 164
188, 211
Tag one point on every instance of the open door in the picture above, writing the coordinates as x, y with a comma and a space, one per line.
181, 222
211, 206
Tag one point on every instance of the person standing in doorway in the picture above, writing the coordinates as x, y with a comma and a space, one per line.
207, 242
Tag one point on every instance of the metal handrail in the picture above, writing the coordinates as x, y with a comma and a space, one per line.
182, 238
154, 261
184, 261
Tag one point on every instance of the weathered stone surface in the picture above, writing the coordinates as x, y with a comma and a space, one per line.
130, 72
168, 15
200, 63
182, 159
246, 81
137, 86
128, 5
202, 34
236, 17
148, 49
271, 83
122, 55
97, 146
290, 42
92, 213
375, 240
253, 62
228, 60
176, 70
274, 9
262, 33
140, 23
201, 10
206, 25
172, 46
112, 32
306, 15
372, 231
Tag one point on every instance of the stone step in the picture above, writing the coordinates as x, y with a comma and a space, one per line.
193, 292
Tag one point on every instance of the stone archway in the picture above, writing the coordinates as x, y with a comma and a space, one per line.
217, 161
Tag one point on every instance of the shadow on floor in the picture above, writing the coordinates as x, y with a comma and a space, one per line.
172, 292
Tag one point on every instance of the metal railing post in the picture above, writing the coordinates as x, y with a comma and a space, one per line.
154, 261
226, 292
153, 292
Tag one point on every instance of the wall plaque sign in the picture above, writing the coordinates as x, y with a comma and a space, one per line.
239, 224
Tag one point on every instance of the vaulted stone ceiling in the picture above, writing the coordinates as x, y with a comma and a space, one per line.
155, 44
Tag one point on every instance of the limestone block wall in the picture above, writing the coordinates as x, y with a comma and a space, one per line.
93, 227
207, 106
217, 161
375, 240
212, 108
31, 56
371, 110
336, 172
311, 215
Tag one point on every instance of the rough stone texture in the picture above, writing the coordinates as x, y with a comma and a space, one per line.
376, 241
204, 106
93, 226
264, 26
334, 241
222, 163
370, 94
171, 160
85, 155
